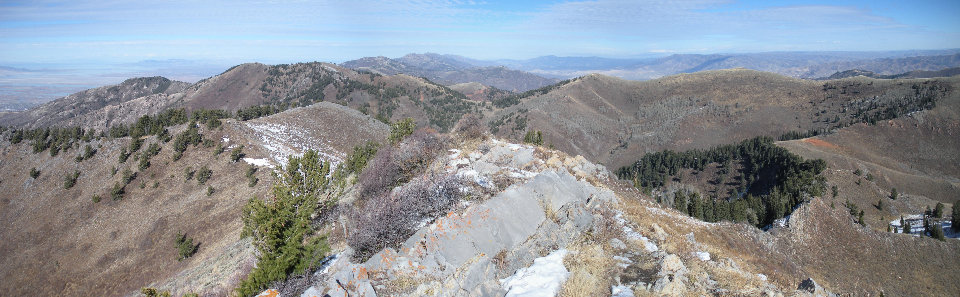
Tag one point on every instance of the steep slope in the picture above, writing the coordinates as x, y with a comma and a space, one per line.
283, 86
449, 70
915, 154
63, 110
613, 121
60, 242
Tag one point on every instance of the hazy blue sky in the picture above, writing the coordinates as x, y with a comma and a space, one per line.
293, 31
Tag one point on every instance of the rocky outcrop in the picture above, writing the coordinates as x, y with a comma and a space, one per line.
530, 213
542, 207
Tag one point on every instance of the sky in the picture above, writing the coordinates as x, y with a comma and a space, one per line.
274, 31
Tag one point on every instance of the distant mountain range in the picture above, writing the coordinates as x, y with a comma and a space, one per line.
23, 86
877, 136
911, 74
452, 69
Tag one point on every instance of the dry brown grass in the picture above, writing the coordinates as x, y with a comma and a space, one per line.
591, 272
916, 154
613, 121
821, 243
58, 242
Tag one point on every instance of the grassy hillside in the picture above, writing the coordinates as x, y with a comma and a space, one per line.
612, 121
85, 240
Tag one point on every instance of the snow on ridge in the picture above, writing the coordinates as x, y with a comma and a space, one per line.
283, 141
543, 278
259, 162
916, 226
633, 234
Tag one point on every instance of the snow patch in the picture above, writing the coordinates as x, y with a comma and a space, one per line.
916, 226
329, 261
622, 261
633, 234
703, 256
475, 156
258, 162
762, 277
621, 291
283, 141
543, 278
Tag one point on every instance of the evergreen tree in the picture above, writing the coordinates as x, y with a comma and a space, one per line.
938, 211
534, 137
709, 214
880, 204
680, 202
937, 232
236, 154
739, 211
894, 194
696, 206
721, 210
906, 227
955, 217
402, 129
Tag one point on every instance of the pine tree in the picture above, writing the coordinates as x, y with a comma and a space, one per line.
937, 232
696, 206
906, 227
880, 204
938, 211
894, 194
955, 217
680, 201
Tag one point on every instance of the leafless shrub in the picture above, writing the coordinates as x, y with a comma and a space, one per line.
606, 226
389, 218
417, 151
470, 126
380, 175
394, 165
